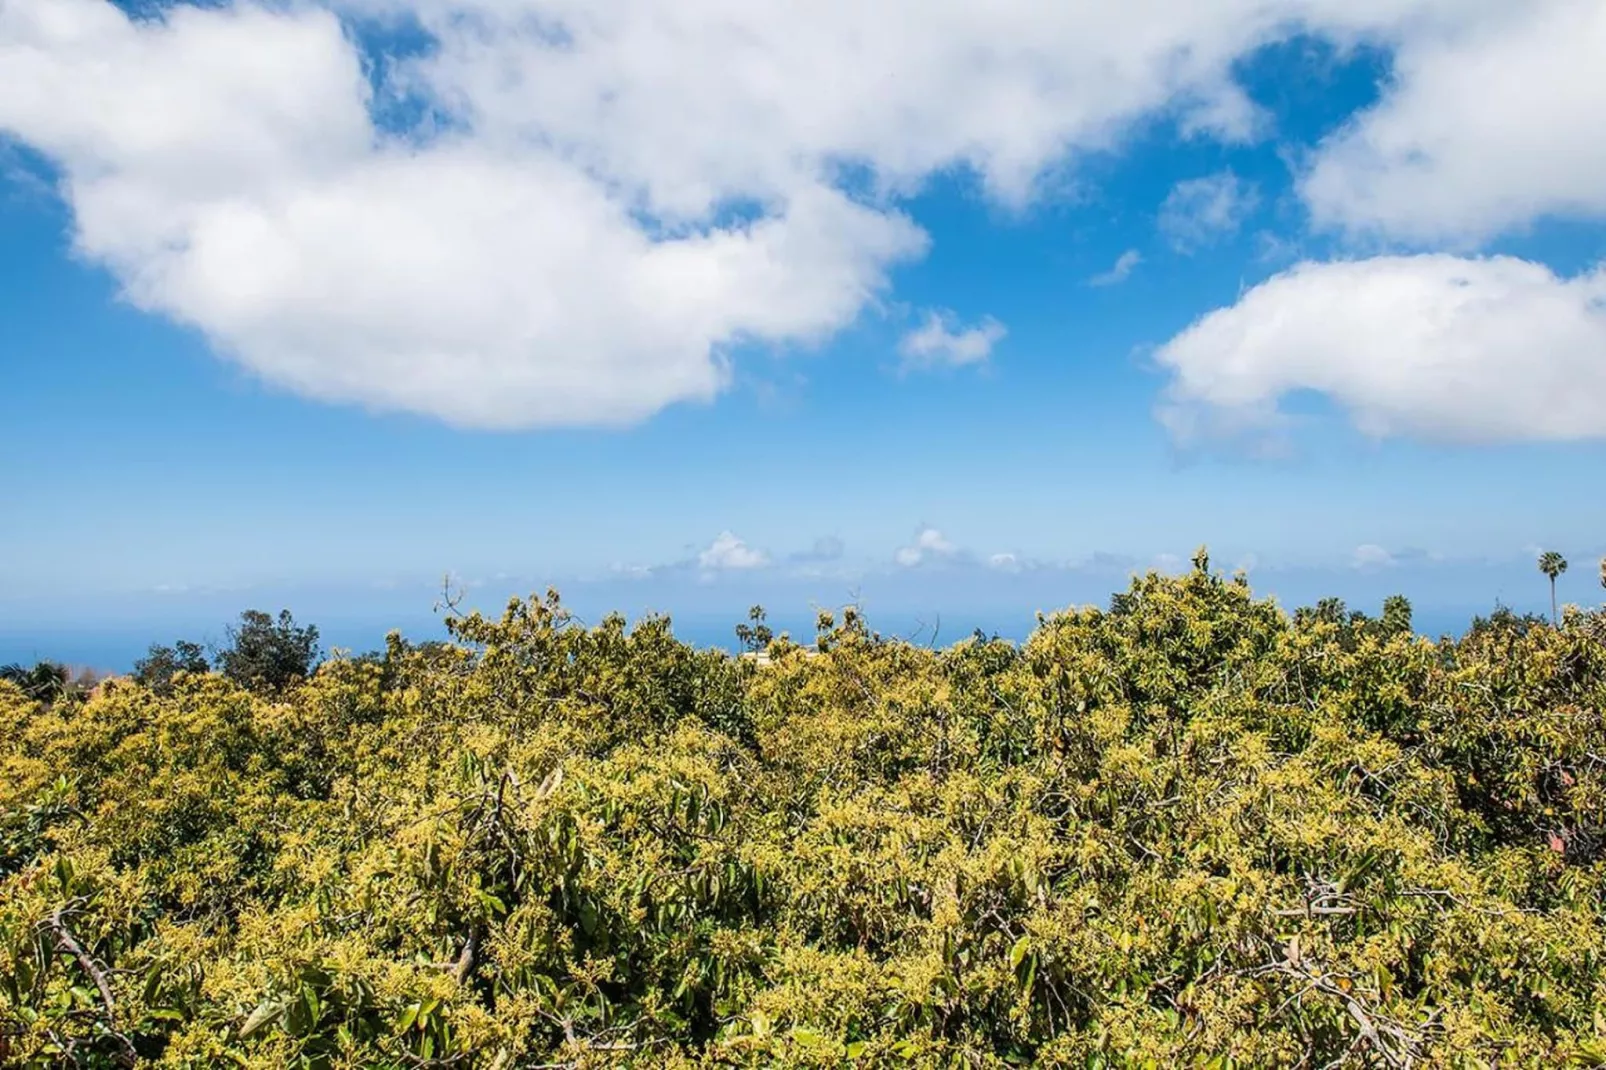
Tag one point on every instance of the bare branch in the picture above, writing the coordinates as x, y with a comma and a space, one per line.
66, 941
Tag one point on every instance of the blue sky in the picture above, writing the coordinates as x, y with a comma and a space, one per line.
969, 315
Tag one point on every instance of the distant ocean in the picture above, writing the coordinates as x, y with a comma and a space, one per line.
115, 649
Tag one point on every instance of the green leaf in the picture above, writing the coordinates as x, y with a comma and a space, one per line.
424, 1011
153, 983
296, 1020
64, 873
1018, 952
808, 1038
550, 784
266, 1012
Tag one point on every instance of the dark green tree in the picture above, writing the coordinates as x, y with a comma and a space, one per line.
1325, 611
162, 664
1396, 614
1503, 622
1552, 565
754, 635
45, 682
267, 654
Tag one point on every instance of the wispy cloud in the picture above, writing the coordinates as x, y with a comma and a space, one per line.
825, 549
1201, 211
1370, 556
1122, 270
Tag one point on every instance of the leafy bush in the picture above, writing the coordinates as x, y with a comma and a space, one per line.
1186, 831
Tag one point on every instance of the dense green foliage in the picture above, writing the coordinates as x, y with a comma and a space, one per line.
1187, 831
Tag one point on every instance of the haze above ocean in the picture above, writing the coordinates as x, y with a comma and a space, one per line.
115, 648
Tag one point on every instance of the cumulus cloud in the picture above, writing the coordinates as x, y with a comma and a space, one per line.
604, 202
929, 545
1204, 210
1004, 562
940, 342
1487, 125
728, 553
1124, 265
1440, 347
224, 165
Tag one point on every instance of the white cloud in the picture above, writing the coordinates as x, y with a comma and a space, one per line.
729, 553
1124, 265
613, 198
1440, 347
938, 341
1371, 556
1203, 210
929, 544
224, 165
1004, 562
1489, 124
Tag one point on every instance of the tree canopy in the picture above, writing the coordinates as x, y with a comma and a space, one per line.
1188, 830
268, 654
159, 668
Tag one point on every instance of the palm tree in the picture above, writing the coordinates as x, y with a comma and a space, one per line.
44, 682
1552, 565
